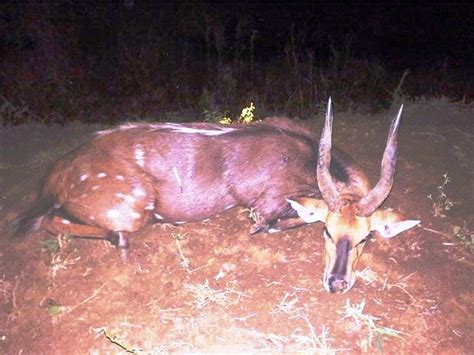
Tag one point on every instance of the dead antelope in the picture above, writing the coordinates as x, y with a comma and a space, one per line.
126, 178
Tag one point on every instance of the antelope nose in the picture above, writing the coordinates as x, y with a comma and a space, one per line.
337, 284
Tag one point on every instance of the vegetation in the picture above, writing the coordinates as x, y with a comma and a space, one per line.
113, 61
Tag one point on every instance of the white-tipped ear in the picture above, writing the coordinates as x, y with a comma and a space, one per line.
310, 210
389, 224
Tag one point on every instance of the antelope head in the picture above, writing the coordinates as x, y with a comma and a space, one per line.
349, 215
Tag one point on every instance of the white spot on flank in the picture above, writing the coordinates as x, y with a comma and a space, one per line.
113, 214
127, 198
157, 216
135, 215
178, 178
150, 206
139, 155
84, 177
138, 192
101, 175
217, 131
119, 177
65, 221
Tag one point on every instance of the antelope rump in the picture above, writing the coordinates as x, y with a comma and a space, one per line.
125, 178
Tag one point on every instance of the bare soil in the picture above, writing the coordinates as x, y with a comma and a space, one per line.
211, 287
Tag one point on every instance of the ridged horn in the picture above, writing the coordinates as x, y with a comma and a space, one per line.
375, 197
326, 183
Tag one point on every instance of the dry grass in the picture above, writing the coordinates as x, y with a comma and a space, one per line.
441, 201
367, 321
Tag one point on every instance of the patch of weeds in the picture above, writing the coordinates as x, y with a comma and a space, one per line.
56, 249
288, 304
13, 114
205, 295
441, 201
216, 116
298, 341
401, 284
465, 236
50, 246
319, 343
178, 238
60, 262
247, 115
6, 290
367, 275
355, 312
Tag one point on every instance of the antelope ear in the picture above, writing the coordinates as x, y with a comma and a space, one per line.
389, 223
310, 210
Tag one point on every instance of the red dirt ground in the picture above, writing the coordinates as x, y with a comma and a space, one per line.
211, 287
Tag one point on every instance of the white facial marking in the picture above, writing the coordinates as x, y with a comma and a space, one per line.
101, 175
157, 216
84, 177
140, 155
119, 177
65, 221
57, 205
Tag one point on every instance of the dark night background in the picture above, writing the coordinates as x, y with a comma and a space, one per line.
64, 60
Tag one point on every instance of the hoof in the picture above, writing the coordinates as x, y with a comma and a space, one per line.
120, 240
256, 228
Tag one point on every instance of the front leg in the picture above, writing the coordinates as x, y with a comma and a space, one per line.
285, 224
260, 225
273, 216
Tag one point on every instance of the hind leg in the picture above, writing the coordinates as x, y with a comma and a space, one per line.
59, 225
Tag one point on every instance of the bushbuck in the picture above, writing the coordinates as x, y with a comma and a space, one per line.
125, 178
